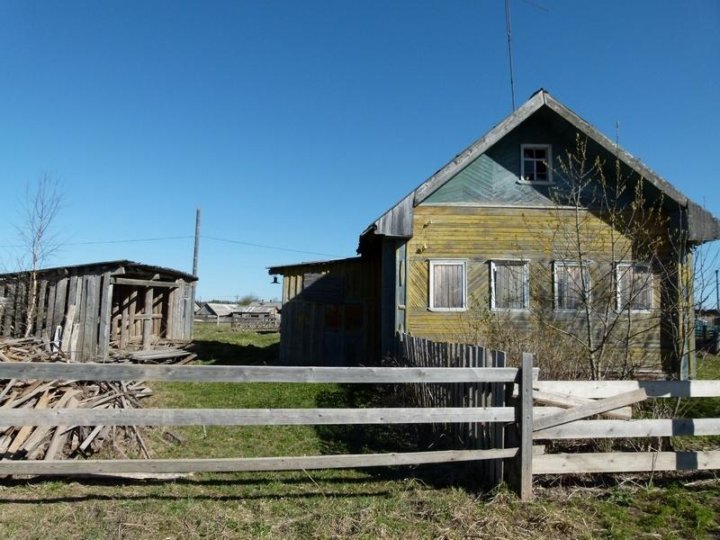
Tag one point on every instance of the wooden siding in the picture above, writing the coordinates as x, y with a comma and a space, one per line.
330, 313
87, 313
479, 235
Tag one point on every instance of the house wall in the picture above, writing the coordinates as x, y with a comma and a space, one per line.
479, 234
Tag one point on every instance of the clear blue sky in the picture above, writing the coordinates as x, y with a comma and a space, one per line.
295, 124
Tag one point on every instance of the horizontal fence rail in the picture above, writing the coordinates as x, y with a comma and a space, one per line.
250, 417
608, 429
165, 466
247, 374
654, 389
625, 462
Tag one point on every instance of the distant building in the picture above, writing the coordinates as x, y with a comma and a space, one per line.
216, 312
258, 316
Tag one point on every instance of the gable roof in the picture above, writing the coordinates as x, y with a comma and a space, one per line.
397, 222
221, 310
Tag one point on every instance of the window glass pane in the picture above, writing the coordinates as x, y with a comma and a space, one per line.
635, 284
570, 286
510, 286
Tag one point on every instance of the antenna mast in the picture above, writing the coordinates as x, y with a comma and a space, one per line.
508, 29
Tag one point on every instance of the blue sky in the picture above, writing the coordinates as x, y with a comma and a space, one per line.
295, 124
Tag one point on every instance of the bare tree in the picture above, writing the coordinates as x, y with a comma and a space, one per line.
43, 202
613, 288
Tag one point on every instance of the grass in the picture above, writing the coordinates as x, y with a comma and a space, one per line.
423, 502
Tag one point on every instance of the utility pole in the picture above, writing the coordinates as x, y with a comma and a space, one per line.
196, 251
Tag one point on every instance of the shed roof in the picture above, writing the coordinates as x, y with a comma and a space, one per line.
397, 221
222, 310
258, 309
319, 265
117, 267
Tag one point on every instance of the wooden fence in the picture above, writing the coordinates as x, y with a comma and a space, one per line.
420, 352
568, 407
611, 398
508, 416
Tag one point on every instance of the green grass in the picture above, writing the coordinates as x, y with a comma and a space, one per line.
408, 503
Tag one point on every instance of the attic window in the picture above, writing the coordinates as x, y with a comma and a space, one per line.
535, 160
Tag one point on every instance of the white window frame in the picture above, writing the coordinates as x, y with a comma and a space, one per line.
570, 264
526, 279
431, 288
619, 267
523, 178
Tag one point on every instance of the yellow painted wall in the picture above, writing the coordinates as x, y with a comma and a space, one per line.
481, 234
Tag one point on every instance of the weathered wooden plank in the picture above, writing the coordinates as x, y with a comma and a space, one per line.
567, 401
60, 301
67, 328
525, 419
590, 409
345, 461
620, 462
250, 417
541, 412
9, 310
50, 312
604, 389
608, 429
20, 308
40, 307
290, 374
106, 289
147, 322
143, 282
92, 306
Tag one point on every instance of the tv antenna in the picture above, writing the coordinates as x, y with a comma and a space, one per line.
508, 31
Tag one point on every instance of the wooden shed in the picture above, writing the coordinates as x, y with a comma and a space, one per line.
86, 310
330, 312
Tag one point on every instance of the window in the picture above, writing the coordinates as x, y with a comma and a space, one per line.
448, 290
572, 285
536, 162
634, 287
509, 285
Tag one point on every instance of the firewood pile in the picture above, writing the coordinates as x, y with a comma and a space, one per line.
63, 442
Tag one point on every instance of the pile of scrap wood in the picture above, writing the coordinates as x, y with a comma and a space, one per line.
51, 442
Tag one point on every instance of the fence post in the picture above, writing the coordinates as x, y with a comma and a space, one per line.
523, 462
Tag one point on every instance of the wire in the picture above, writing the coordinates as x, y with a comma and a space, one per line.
97, 242
266, 246
164, 238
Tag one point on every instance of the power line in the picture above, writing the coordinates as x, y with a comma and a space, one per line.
165, 238
267, 246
